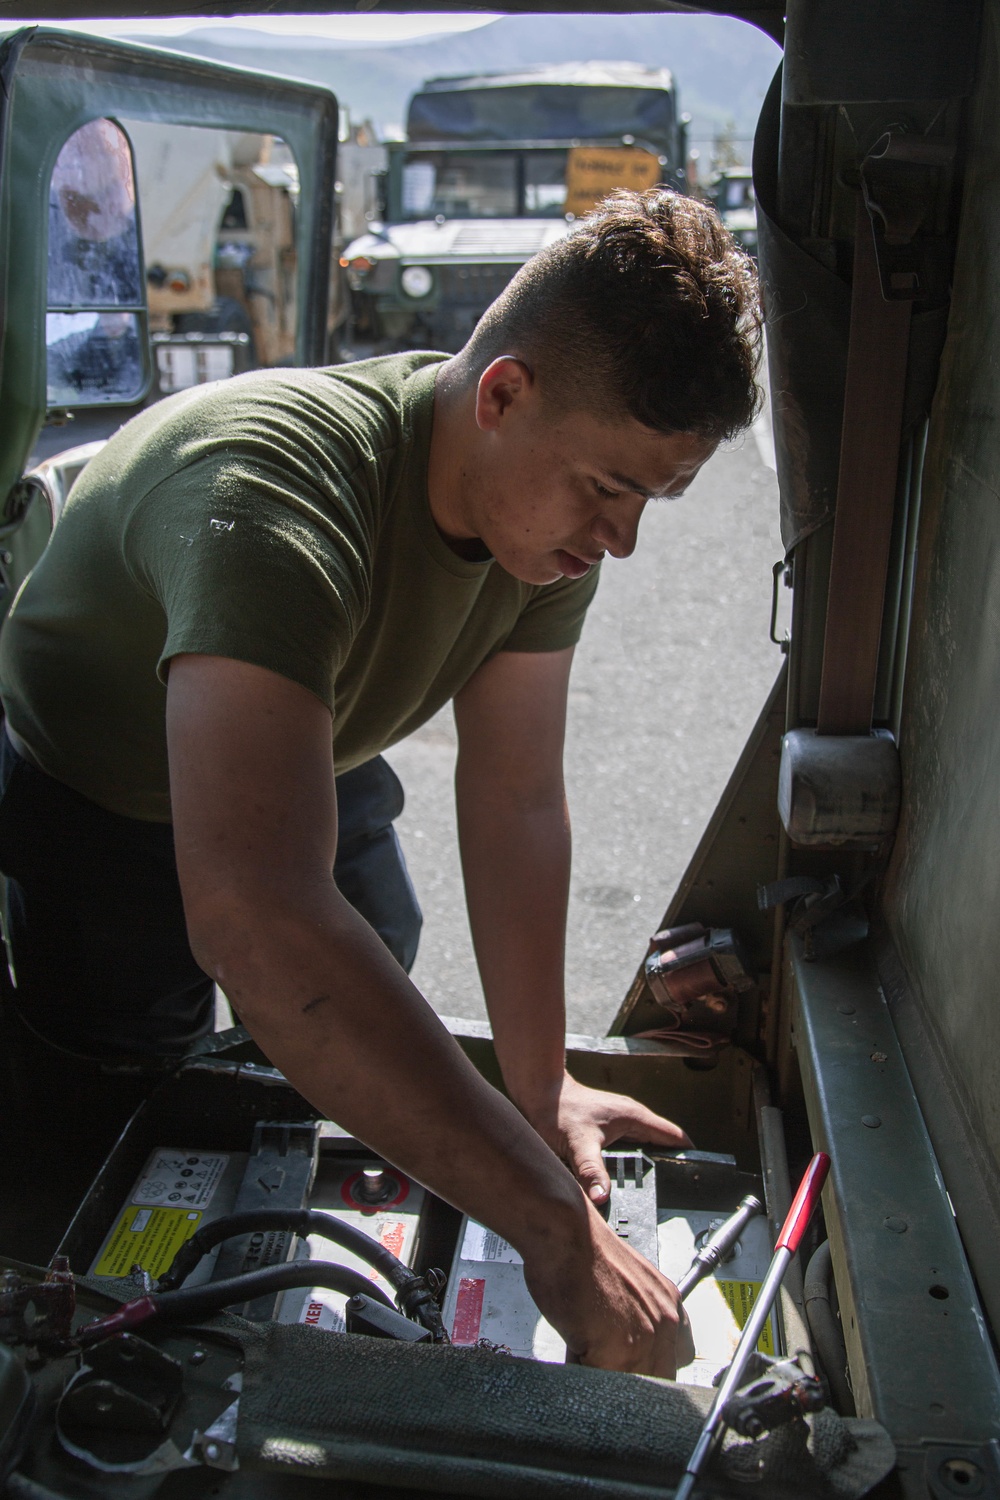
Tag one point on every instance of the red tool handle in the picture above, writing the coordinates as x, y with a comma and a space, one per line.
804, 1202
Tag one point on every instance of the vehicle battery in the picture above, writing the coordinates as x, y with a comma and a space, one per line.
487, 1298
178, 1190
181, 1189
720, 1304
373, 1197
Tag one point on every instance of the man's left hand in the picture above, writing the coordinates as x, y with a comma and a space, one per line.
578, 1123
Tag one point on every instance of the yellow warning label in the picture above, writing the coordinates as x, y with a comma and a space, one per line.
149, 1237
740, 1297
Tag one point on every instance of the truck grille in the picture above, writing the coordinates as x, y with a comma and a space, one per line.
473, 285
500, 239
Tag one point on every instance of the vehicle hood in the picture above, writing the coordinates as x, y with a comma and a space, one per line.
479, 239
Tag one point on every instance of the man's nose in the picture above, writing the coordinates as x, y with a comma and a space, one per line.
618, 533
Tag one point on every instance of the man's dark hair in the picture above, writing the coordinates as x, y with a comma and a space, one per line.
647, 308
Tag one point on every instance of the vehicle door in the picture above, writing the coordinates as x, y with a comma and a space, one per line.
75, 352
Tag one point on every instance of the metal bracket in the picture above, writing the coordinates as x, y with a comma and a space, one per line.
782, 571
900, 180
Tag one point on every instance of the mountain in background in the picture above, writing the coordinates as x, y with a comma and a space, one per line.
722, 67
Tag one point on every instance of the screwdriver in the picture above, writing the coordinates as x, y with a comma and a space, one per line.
791, 1234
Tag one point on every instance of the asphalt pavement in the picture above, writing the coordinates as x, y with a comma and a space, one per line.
673, 668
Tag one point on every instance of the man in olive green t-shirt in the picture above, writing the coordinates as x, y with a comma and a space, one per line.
246, 564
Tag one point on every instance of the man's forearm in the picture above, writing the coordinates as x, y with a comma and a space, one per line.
331, 1009
516, 862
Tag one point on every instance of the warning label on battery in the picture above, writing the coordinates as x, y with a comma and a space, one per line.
468, 1310
481, 1244
740, 1297
149, 1237
182, 1179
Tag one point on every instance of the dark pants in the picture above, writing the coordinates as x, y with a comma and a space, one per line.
96, 922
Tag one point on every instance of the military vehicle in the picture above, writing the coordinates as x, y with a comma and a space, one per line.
834, 938
731, 190
496, 166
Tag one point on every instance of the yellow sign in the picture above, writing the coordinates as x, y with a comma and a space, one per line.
592, 172
741, 1296
149, 1237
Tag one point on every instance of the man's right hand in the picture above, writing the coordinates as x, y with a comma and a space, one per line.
611, 1306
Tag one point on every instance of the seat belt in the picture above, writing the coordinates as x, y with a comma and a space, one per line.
866, 493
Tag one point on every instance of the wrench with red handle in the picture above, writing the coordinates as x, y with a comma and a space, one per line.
791, 1234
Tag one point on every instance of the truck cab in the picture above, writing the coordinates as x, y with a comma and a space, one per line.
494, 168
731, 190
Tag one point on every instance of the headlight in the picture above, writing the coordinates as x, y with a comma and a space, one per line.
416, 281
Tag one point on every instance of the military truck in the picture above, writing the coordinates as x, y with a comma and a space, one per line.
495, 167
834, 937
731, 190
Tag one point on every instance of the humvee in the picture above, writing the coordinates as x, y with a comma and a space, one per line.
494, 167
834, 937
731, 190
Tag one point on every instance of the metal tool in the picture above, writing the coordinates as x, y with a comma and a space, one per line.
791, 1234
778, 1393
717, 1247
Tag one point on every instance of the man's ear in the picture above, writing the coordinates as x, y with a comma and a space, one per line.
504, 383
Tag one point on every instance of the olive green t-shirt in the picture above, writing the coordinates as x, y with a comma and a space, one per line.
279, 518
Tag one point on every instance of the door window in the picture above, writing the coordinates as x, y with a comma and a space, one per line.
94, 331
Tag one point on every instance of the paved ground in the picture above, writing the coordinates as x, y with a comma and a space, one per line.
673, 667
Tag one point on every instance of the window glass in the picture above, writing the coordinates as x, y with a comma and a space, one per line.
94, 326
93, 237
545, 183
93, 357
419, 179
465, 185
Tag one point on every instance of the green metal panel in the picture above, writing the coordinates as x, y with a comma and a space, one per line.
943, 893
53, 82
921, 1357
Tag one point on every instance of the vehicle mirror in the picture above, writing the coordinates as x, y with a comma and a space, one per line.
96, 345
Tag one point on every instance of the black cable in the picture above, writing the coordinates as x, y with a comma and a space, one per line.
413, 1293
199, 1301
301, 1221
191, 1303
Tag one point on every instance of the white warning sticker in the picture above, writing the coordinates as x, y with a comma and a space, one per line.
319, 1312
179, 1179
481, 1244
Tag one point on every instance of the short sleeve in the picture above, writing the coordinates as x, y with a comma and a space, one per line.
249, 566
553, 618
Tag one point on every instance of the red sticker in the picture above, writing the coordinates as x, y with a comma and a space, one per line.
392, 1237
468, 1311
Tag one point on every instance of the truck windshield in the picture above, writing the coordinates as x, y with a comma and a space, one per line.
484, 184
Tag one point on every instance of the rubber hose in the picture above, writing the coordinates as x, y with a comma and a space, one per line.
828, 1335
301, 1221
199, 1301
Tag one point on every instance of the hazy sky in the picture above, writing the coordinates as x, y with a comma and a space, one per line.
353, 28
